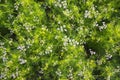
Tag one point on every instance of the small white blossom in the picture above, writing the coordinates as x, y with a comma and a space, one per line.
108, 56
87, 14
59, 22
21, 48
2, 43
48, 49
80, 73
13, 76
58, 72
92, 52
22, 61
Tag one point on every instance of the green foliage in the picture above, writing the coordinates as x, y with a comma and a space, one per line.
59, 40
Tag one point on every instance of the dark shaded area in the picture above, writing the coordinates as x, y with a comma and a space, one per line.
35, 72
95, 46
97, 73
39, 0
86, 48
102, 21
6, 33
2, 1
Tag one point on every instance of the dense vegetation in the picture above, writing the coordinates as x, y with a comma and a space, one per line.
60, 39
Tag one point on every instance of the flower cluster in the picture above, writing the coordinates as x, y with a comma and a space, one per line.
21, 48
58, 72
48, 49
62, 28
68, 41
108, 56
101, 27
87, 14
22, 61
70, 75
92, 52
28, 26
61, 4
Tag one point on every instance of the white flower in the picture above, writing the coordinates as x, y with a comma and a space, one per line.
22, 61
59, 0
48, 49
58, 72
80, 73
59, 22
60, 5
92, 52
64, 26
2, 43
4, 58
87, 14
65, 30
13, 76
21, 48
108, 56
